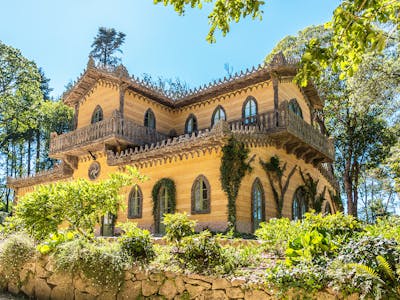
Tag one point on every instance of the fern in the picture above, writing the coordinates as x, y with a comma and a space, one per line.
364, 270
385, 267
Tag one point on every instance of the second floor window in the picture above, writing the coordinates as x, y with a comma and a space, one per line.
191, 124
97, 115
150, 119
249, 113
295, 107
219, 114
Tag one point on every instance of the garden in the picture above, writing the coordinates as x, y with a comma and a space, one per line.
335, 253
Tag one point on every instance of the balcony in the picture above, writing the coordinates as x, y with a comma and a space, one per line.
290, 132
115, 132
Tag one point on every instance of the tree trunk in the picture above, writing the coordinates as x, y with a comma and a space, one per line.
28, 163
37, 163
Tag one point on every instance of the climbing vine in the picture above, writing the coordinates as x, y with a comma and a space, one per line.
233, 168
275, 173
170, 187
310, 186
337, 200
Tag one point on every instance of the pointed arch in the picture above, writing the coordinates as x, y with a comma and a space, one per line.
218, 114
299, 204
257, 204
191, 124
97, 115
201, 192
135, 203
149, 119
294, 106
250, 110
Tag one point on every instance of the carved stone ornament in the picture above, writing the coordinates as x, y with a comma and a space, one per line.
94, 170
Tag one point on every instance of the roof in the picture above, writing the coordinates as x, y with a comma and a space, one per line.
280, 67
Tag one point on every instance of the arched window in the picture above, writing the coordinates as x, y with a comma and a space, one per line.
299, 207
257, 204
200, 196
295, 107
327, 208
135, 203
191, 124
150, 119
218, 114
249, 111
97, 115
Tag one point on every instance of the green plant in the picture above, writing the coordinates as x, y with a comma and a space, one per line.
100, 261
387, 227
178, 226
310, 187
80, 204
136, 243
275, 173
15, 251
200, 253
232, 170
55, 239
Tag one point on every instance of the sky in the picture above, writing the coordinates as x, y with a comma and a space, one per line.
57, 35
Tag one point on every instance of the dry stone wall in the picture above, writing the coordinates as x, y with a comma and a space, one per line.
39, 280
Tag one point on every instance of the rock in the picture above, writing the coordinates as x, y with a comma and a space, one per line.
130, 290
41, 272
80, 284
216, 295
180, 284
83, 296
256, 295
325, 296
194, 290
50, 266
59, 279
170, 274
128, 276
13, 288
157, 277
28, 288
141, 275
234, 292
220, 284
149, 288
200, 277
197, 282
168, 289
237, 282
62, 292
107, 296
42, 290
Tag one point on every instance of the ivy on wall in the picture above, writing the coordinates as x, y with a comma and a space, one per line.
310, 186
336, 199
171, 191
233, 168
275, 173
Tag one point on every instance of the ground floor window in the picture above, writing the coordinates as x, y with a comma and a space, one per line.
299, 207
257, 204
201, 196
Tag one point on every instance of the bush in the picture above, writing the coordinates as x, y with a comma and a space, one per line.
178, 226
15, 251
201, 253
136, 243
99, 261
387, 227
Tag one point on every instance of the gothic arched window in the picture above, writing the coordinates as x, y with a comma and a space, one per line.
249, 111
135, 203
299, 207
200, 196
97, 115
218, 114
191, 124
257, 204
295, 107
150, 119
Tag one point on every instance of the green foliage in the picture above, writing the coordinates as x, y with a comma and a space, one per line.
310, 187
99, 261
232, 170
222, 14
201, 253
15, 251
178, 226
78, 204
136, 243
55, 239
105, 44
387, 227
275, 173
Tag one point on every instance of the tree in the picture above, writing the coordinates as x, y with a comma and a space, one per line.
174, 88
358, 110
358, 27
105, 44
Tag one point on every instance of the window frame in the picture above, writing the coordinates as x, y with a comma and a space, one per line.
301, 202
134, 189
97, 113
251, 119
295, 108
201, 179
149, 112
195, 124
257, 182
218, 108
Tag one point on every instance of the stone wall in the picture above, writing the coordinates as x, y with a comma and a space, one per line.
39, 280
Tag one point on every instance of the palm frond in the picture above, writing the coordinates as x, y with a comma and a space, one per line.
364, 270
385, 267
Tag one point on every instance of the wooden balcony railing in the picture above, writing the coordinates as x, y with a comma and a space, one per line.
284, 120
114, 127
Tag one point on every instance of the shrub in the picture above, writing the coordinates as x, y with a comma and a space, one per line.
387, 227
136, 243
201, 253
15, 251
178, 226
51, 243
99, 261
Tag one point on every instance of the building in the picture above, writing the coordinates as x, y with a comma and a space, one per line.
119, 120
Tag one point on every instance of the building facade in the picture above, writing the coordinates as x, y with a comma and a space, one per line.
177, 141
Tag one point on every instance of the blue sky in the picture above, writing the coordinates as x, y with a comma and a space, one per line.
57, 35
